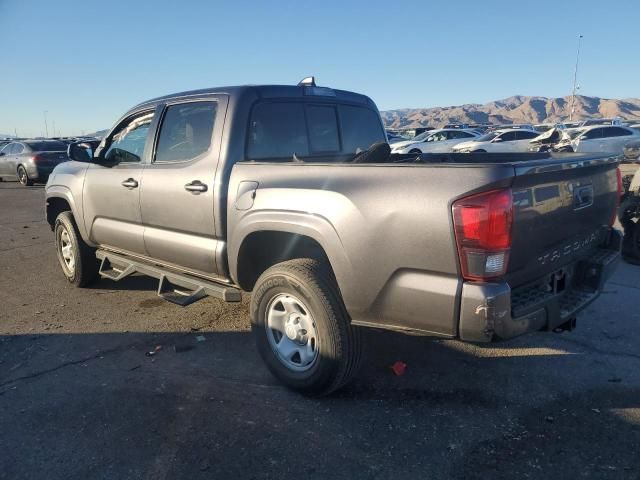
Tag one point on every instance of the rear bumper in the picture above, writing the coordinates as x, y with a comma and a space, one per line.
492, 311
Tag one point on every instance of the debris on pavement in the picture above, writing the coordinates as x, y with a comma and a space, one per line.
154, 351
201, 338
399, 368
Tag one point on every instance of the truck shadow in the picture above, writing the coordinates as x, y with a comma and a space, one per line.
201, 404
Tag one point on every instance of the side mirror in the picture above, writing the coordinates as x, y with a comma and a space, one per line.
496, 140
2, 154
81, 151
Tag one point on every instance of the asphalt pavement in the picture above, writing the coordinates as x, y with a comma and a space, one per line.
81, 395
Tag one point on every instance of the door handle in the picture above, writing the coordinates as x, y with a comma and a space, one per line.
196, 187
130, 183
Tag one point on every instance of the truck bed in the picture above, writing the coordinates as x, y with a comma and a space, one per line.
388, 230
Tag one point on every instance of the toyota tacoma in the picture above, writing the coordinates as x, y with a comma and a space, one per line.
291, 193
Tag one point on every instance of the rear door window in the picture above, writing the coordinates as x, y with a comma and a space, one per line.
8, 149
186, 131
524, 135
615, 132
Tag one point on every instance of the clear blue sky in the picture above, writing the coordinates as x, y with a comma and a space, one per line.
86, 62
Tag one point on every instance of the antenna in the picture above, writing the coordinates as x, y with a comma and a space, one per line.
307, 82
575, 78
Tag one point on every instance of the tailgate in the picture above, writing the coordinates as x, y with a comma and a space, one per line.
562, 211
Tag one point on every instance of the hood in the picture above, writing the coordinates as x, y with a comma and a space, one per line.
467, 144
552, 135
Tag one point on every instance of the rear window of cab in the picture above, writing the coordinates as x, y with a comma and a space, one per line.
278, 130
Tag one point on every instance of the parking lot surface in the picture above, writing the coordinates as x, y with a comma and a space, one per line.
81, 398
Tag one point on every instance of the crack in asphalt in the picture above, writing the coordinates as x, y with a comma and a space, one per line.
99, 354
61, 366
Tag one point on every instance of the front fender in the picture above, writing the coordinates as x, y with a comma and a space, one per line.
64, 193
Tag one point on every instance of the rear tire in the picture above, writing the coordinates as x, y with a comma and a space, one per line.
313, 348
479, 151
77, 259
23, 177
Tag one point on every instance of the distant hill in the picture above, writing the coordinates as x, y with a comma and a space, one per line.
516, 109
97, 134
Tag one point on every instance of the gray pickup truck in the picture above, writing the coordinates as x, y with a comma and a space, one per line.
291, 192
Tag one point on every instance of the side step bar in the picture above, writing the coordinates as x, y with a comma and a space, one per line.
177, 288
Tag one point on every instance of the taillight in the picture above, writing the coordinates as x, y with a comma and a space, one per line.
620, 186
483, 233
38, 159
614, 214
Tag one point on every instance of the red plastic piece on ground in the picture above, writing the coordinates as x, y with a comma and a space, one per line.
399, 368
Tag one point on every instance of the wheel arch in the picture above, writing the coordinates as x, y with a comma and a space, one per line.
59, 199
267, 238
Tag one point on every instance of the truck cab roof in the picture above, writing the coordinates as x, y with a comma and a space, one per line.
263, 91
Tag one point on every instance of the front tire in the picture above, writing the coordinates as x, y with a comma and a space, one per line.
77, 259
415, 151
23, 177
302, 328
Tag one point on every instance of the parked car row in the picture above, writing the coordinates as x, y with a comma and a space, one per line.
31, 161
590, 139
596, 138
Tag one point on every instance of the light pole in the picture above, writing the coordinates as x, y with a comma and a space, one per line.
46, 127
575, 80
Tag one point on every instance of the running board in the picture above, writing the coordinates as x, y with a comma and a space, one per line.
177, 288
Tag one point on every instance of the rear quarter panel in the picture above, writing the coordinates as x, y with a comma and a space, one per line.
387, 231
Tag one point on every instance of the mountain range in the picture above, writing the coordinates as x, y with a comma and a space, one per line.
516, 109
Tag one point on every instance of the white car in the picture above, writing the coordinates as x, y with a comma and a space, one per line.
509, 140
434, 141
600, 138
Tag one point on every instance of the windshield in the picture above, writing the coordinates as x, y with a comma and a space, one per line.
488, 137
575, 134
422, 136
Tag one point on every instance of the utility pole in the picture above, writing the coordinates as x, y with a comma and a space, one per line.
575, 80
15, 131
54, 128
46, 127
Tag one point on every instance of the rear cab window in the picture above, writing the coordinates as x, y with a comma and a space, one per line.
280, 129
